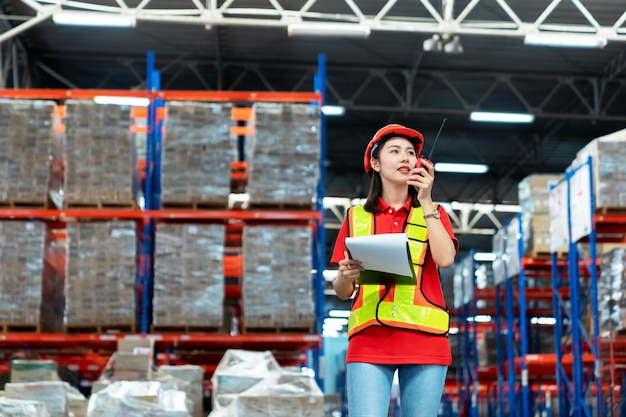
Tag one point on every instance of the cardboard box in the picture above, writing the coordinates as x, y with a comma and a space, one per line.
135, 355
33, 371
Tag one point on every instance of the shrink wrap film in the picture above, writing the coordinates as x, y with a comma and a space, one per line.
189, 275
101, 272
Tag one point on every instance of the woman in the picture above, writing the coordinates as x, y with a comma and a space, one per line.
397, 327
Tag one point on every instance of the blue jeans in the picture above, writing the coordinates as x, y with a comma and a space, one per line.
369, 389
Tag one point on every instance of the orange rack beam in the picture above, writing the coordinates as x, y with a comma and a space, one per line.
162, 341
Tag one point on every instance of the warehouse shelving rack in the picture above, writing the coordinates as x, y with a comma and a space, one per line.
79, 351
573, 206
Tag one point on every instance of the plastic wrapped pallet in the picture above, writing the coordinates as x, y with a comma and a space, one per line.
238, 371
533, 194
22, 408
99, 155
27, 141
608, 154
189, 275
277, 289
32, 293
256, 387
612, 290
283, 154
194, 375
198, 149
53, 394
138, 399
101, 270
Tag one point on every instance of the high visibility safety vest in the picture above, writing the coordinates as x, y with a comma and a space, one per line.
400, 306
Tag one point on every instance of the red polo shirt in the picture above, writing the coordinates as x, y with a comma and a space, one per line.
387, 345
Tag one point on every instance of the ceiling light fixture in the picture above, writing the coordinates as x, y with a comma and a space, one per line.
123, 101
329, 29
481, 116
461, 168
76, 18
433, 44
333, 110
454, 46
565, 40
443, 43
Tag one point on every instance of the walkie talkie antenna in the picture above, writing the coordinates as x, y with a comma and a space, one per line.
436, 137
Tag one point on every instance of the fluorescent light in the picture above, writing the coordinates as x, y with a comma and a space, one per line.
565, 40
336, 320
329, 29
461, 168
548, 321
333, 110
333, 327
67, 17
453, 330
485, 256
508, 208
481, 116
480, 318
123, 101
339, 313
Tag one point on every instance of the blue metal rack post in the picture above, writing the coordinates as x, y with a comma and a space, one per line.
468, 373
319, 252
572, 396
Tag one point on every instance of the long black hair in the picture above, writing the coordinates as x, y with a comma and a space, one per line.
376, 184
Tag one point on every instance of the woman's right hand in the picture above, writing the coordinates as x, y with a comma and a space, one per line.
349, 270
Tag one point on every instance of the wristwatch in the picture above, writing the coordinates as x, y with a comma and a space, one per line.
433, 215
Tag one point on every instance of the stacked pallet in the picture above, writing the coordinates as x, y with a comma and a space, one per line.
189, 277
533, 194
27, 141
32, 296
277, 286
608, 154
612, 290
198, 149
99, 155
283, 155
100, 276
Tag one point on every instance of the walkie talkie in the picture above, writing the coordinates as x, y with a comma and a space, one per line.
421, 158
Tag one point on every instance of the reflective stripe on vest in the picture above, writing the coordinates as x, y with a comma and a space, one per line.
404, 306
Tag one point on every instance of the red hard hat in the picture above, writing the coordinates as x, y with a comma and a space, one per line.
392, 130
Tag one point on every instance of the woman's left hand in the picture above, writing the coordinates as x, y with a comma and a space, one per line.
422, 178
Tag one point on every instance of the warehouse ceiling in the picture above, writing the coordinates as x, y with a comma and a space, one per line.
383, 76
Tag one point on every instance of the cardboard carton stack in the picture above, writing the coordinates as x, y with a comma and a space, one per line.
23, 370
198, 149
189, 275
101, 270
99, 154
533, 193
612, 290
283, 154
26, 140
133, 359
31, 288
608, 154
277, 290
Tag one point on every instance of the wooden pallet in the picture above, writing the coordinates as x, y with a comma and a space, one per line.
184, 329
194, 205
542, 254
102, 205
19, 328
280, 330
281, 206
100, 328
611, 210
25, 204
